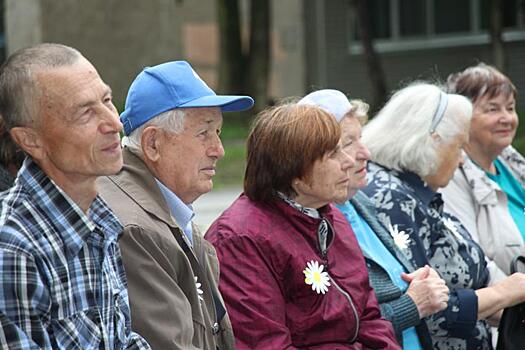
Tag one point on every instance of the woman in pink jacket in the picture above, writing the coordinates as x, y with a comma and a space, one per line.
292, 273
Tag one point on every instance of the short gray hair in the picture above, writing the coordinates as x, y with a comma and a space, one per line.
172, 121
399, 136
19, 93
359, 110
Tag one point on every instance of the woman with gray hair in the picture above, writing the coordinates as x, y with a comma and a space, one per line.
416, 142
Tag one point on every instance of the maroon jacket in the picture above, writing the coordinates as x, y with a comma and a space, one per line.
263, 251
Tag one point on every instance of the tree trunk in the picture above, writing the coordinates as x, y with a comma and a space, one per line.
496, 29
259, 53
373, 63
232, 63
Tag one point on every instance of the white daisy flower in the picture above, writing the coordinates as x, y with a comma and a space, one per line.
401, 239
449, 223
199, 290
316, 277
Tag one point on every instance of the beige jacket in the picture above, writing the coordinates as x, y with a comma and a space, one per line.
482, 207
165, 306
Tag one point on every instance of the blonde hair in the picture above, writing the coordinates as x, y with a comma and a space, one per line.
359, 110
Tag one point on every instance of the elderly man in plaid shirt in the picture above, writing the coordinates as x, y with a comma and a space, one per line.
62, 282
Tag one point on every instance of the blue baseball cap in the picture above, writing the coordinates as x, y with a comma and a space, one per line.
172, 85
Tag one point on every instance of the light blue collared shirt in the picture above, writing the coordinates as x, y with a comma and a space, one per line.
181, 212
373, 247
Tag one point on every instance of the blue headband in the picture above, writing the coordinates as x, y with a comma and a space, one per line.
440, 111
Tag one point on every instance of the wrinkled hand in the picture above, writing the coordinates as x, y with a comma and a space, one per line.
432, 272
428, 291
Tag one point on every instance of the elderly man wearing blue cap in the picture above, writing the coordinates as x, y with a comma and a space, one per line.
172, 121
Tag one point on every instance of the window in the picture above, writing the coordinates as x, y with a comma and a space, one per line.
412, 18
409, 24
513, 11
451, 16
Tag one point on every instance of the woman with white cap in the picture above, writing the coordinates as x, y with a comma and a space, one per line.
406, 295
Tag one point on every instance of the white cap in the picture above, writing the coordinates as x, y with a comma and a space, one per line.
332, 101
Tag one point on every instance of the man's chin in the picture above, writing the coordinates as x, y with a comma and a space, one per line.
207, 187
112, 169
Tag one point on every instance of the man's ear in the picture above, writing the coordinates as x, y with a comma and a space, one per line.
29, 140
150, 141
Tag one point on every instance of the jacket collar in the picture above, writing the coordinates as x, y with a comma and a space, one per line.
311, 212
418, 186
310, 227
483, 188
515, 162
140, 185
289, 210
180, 211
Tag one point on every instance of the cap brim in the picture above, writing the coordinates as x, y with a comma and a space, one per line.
226, 102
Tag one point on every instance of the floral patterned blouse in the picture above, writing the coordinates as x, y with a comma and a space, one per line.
414, 215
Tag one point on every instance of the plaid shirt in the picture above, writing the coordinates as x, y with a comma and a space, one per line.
62, 281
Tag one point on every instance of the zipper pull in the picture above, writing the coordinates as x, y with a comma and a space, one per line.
322, 234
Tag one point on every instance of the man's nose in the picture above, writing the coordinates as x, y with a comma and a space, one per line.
216, 149
110, 120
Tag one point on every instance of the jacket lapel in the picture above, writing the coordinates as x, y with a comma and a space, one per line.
140, 185
366, 209
483, 188
515, 162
